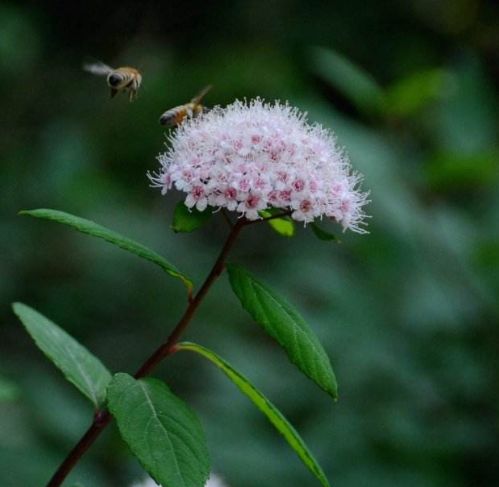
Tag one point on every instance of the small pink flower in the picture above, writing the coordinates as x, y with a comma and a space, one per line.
244, 185
299, 185
251, 156
167, 183
273, 197
285, 195
252, 206
197, 198
303, 211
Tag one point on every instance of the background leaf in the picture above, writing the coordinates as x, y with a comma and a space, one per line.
322, 234
457, 172
161, 430
265, 406
9, 391
281, 321
188, 220
353, 82
78, 365
409, 95
91, 228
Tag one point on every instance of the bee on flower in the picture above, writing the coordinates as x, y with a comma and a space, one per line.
175, 116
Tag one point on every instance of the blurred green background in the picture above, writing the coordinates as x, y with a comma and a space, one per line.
408, 313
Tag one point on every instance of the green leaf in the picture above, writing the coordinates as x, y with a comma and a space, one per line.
188, 220
321, 234
409, 95
77, 364
281, 321
265, 406
465, 121
451, 171
91, 228
161, 430
350, 80
8, 390
283, 226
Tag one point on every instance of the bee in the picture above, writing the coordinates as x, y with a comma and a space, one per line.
175, 116
119, 79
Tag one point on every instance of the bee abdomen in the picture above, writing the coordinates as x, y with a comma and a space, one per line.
171, 118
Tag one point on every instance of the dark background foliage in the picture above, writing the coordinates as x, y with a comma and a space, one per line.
407, 313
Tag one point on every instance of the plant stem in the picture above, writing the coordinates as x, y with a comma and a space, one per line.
168, 347
102, 418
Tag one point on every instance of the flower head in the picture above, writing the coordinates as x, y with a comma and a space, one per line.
248, 157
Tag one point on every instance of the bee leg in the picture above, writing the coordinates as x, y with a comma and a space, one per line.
113, 92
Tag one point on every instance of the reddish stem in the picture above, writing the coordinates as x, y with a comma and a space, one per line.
168, 347
102, 418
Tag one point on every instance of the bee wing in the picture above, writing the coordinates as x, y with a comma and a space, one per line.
197, 99
98, 68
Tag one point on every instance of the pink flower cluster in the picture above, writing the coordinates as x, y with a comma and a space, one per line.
253, 156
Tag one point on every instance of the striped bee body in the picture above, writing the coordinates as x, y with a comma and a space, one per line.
175, 116
122, 79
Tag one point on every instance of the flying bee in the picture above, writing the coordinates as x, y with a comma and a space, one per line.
119, 79
175, 116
